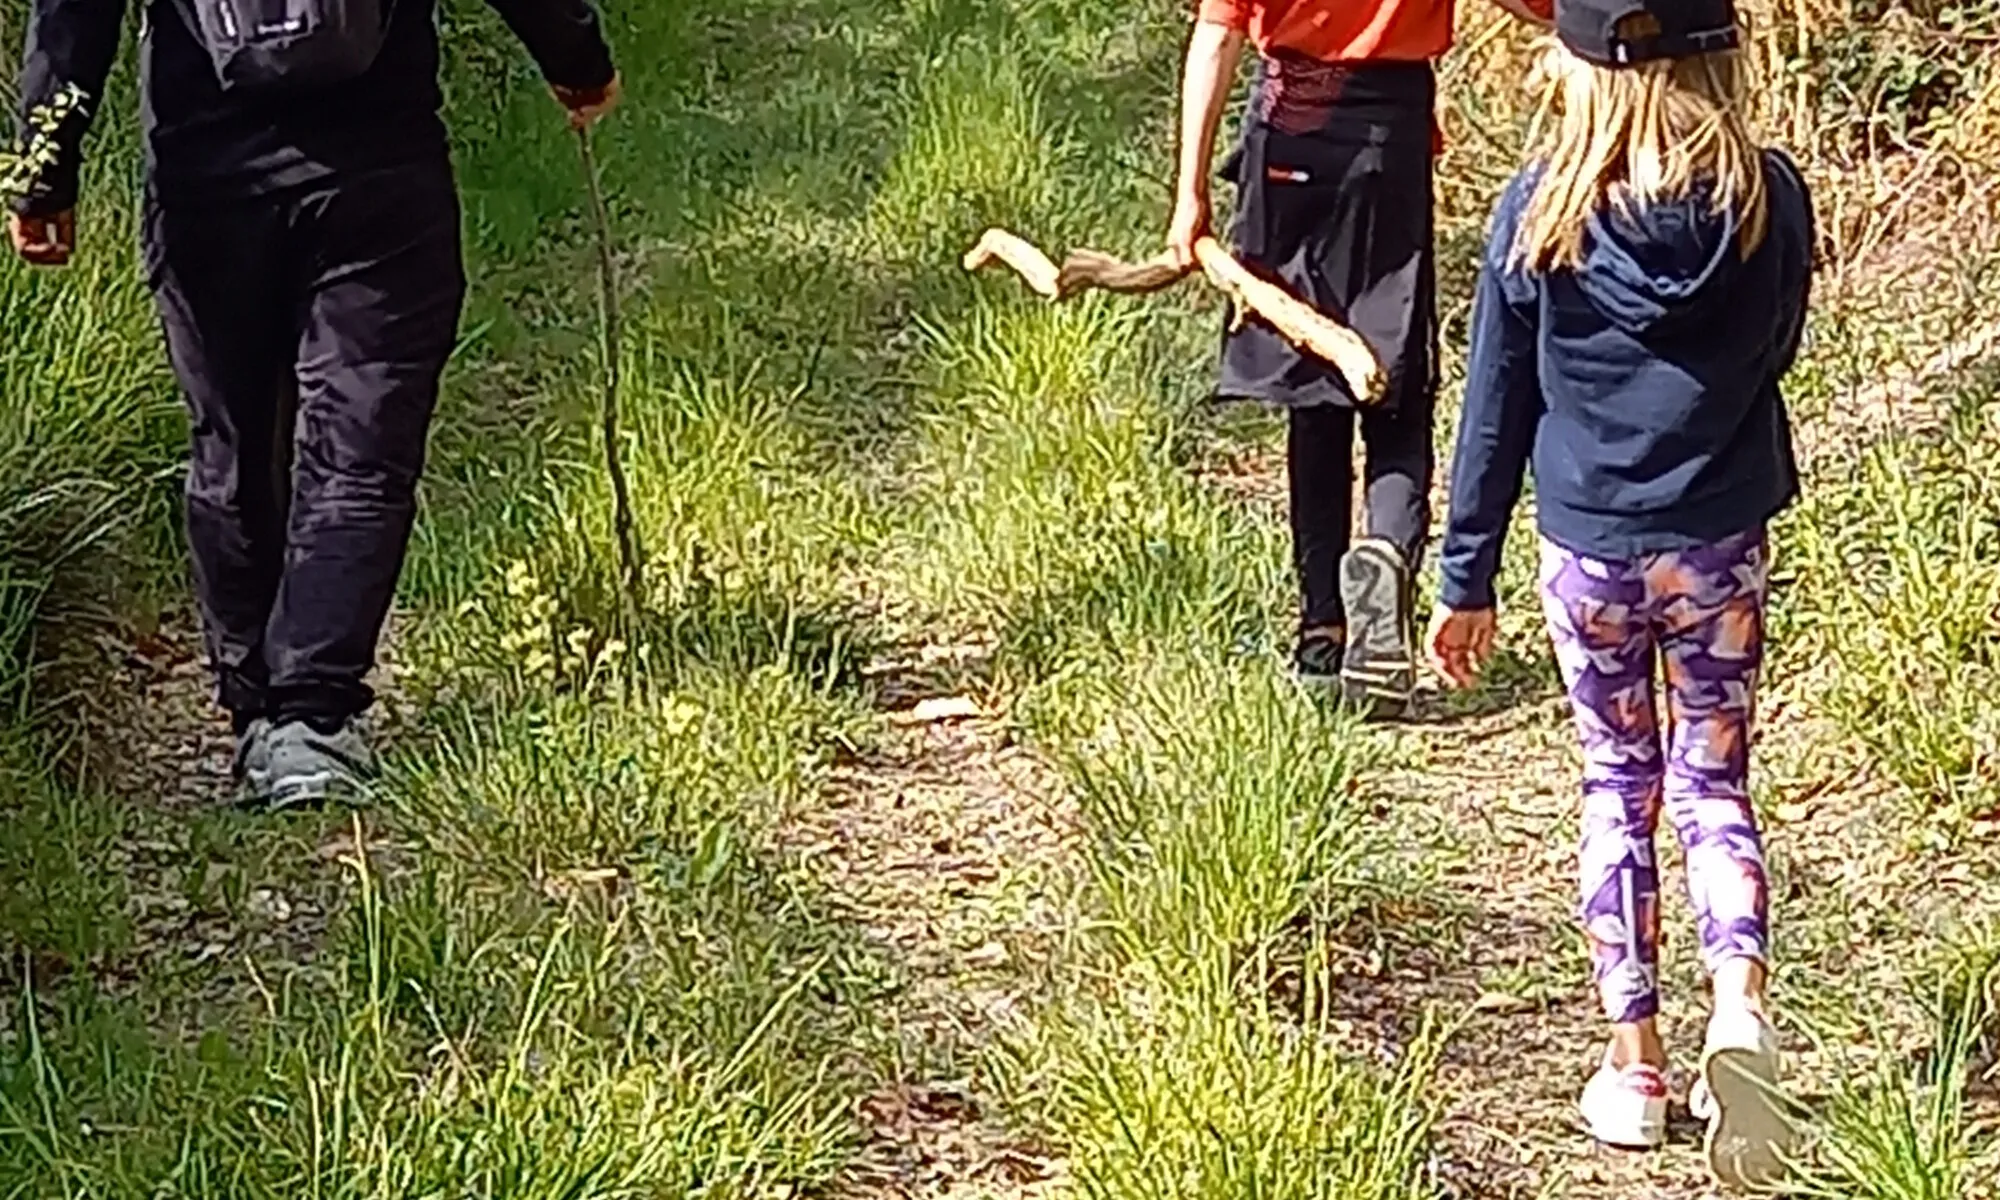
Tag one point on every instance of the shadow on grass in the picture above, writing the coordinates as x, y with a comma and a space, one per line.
1147, 588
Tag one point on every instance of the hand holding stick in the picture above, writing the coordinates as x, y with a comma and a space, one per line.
1086, 270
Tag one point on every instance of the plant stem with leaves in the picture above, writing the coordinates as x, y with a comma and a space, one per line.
20, 168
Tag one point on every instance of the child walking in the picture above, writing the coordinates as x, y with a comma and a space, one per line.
1643, 294
1333, 183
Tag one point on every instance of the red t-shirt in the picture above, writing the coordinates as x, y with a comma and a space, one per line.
1346, 30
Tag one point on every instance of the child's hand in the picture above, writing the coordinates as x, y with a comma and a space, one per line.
587, 106
43, 241
1189, 225
1461, 643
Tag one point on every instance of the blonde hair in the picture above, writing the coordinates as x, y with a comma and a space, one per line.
1633, 136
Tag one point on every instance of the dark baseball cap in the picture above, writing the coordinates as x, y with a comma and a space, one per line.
1622, 33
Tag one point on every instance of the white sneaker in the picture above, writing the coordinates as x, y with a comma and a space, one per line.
1751, 1131
1626, 1107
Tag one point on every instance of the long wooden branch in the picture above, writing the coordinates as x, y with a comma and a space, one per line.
1087, 270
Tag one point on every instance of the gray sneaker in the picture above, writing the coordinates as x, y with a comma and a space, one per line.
1379, 671
251, 767
306, 767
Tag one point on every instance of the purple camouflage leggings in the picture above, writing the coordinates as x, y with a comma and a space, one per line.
1700, 613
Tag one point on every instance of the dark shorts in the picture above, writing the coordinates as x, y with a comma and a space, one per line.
1339, 209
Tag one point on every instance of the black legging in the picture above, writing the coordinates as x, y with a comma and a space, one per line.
1398, 460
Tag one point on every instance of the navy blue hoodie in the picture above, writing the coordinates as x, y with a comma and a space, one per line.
1643, 386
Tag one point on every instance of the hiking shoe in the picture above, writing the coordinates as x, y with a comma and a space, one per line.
1317, 658
307, 765
1378, 672
1626, 1107
1752, 1129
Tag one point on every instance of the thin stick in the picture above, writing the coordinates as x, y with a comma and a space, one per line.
609, 332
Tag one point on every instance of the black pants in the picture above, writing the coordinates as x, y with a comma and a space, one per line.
309, 329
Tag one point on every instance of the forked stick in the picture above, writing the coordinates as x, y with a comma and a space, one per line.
1086, 270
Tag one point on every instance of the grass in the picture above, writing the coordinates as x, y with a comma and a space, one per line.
1164, 1096
569, 957
1912, 612
1908, 1133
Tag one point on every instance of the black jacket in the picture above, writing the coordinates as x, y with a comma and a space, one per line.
203, 144
1643, 387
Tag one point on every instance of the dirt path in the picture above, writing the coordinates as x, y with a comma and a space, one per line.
953, 850
208, 896
152, 726
956, 852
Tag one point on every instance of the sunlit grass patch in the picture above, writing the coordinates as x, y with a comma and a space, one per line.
1894, 610
1223, 801
974, 152
1165, 1093
569, 965
1903, 1131
1058, 514
1227, 838
630, 780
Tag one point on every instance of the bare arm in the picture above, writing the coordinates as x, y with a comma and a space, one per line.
1212, 57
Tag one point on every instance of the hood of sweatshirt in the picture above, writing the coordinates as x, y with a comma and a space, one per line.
1649, 267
